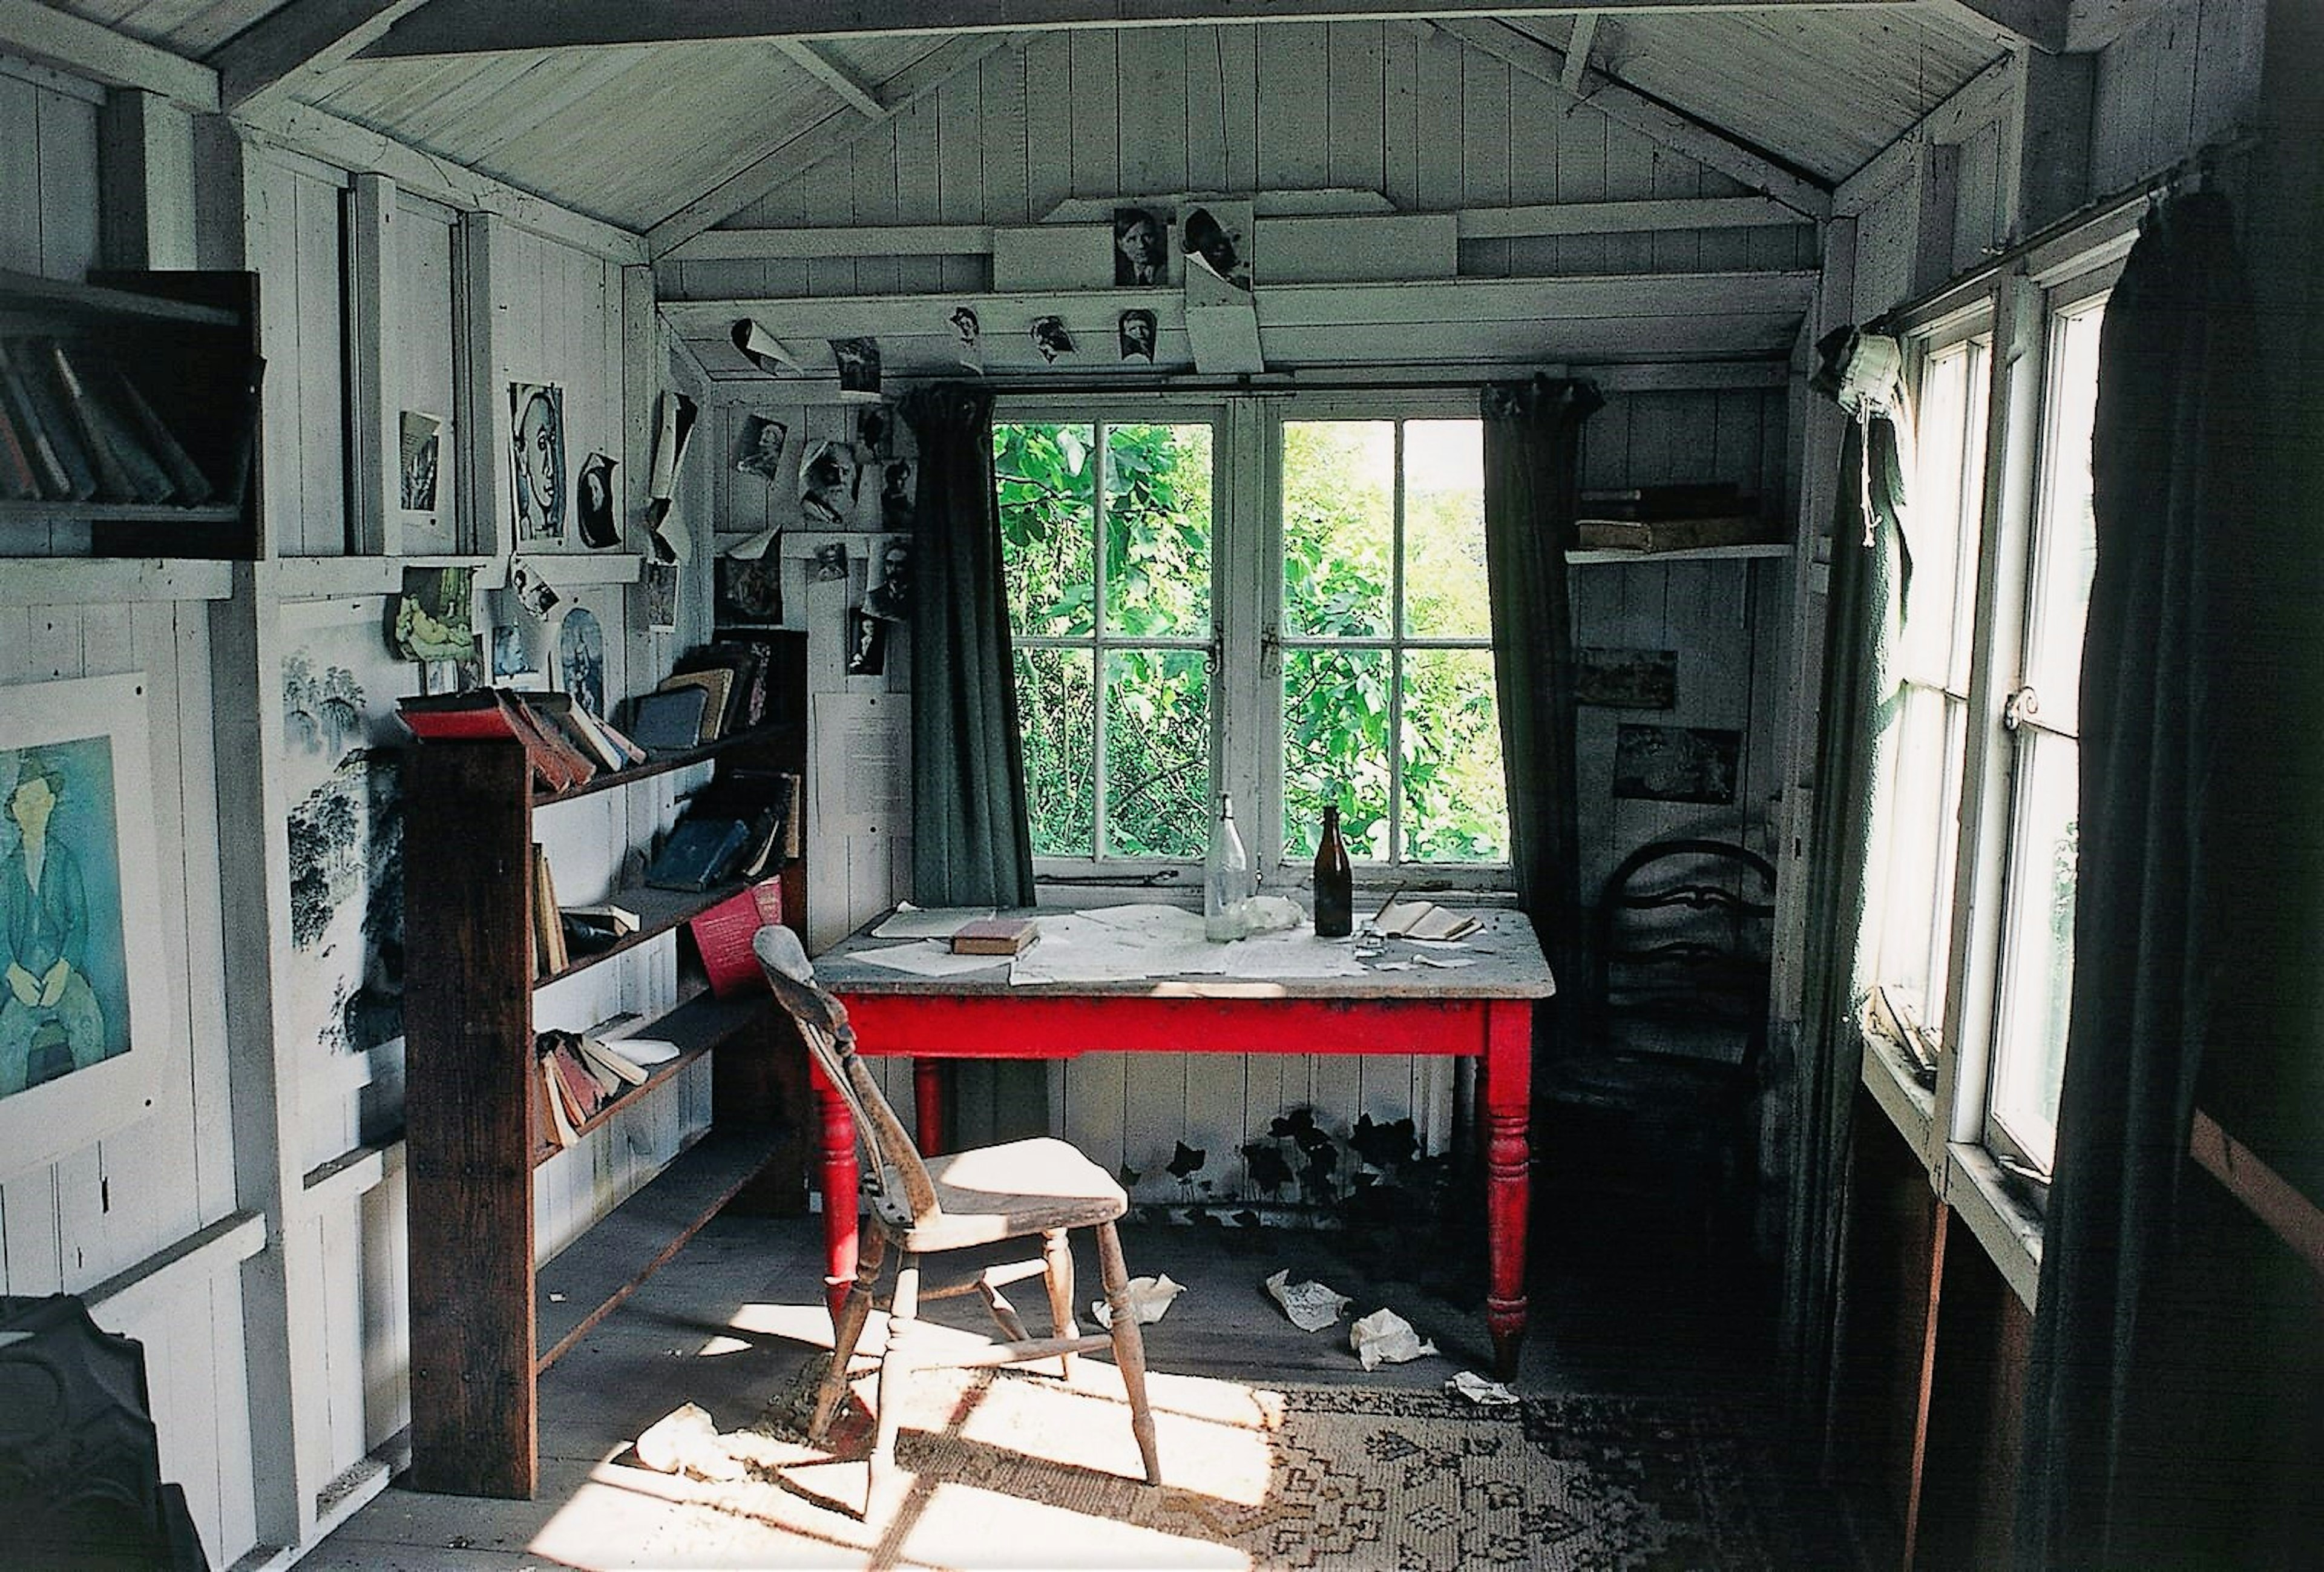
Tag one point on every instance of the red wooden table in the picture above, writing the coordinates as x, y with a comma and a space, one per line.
1481, 1010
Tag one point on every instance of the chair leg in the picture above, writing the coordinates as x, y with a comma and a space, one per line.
895, 1371
1058, 1255
853, 1314
1129, 1348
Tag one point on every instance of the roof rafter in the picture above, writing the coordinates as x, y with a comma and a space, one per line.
459, 27
1706, 144
833, 75
304, 33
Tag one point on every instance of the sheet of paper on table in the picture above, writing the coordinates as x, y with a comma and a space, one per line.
911, 921
926, 957
1113, 943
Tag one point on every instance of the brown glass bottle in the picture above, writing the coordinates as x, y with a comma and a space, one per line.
1335, 896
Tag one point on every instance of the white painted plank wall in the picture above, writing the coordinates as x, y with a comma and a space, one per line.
2187, 75
1361, 104
105, 1210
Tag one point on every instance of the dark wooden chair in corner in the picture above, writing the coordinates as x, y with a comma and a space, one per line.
1657, 1103
923, 1207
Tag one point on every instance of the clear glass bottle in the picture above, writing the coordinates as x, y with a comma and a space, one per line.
1226, 878
1335, 894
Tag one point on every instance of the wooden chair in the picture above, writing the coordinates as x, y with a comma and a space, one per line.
1660, 1096
932, 1206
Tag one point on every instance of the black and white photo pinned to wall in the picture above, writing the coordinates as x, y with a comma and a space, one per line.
829, 474
761, 452
592, 504
967, 338
748, 591
1217, 239
1141, 247
1626, 679
531, 590
889, 599
867, 646
829, 563
1051, 338
536, 458
581, 659
658, 584
1135, 331
420, 438
875, 430
898, 478
858, 360
1676, 763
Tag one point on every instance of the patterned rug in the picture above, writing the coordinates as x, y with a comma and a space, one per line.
1019, 1469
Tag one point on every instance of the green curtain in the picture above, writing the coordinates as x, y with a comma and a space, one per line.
1820, 1060
1533, 441
972, 845
2193, 924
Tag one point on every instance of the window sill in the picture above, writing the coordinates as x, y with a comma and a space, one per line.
1910, 1107
2011, 1233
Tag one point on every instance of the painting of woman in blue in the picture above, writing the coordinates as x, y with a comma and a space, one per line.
60, 946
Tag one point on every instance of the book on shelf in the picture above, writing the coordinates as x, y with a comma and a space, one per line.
49, 472
1671, 500
186, 478
126, 471
722, 934
596, 927
716, 684
1651, 535
19, 481
766, 800
496, 712
669, 720
746, 663
579, 727
605, 1056
75, 480
701, 851
550, 953
995, 936
630, 751
561, 1127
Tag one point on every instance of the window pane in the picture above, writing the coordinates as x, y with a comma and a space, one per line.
1912, 897
1157, 774
1445, 530
1058, 709
1339, 509
1945, 494
1335, 714
1045, 481
2038, 945
2068, 551
1157, 551
1455, 797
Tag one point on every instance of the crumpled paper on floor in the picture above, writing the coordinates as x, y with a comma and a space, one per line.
1385, 1338
1479, 1391
1311, 1305
1149, 1299
685, 1440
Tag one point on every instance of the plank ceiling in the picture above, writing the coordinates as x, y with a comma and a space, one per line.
633, 134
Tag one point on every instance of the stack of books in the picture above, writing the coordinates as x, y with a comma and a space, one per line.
1682, 516
580, 1076
743, 825
715, 690
565, 745
74, 427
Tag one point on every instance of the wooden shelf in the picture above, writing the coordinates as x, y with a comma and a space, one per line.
695, 1027
573, 1292
774, 734
1693, 554
54, 300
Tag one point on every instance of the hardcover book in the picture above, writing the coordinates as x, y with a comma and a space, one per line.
995, 936
699, 853
723, 935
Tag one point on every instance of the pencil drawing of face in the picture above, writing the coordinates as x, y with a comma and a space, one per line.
537, 437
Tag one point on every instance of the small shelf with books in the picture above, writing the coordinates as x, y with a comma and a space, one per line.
129, 413
695, 1027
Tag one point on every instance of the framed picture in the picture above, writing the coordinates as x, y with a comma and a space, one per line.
85, 1042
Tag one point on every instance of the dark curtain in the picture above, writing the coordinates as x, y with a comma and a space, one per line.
2180, 810
1532, 439
1819, 1072
971, 846
971, 842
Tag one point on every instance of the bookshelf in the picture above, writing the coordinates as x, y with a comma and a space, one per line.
143, 387
488, 1317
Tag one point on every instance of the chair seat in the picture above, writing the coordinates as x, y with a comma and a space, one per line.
1008, 1191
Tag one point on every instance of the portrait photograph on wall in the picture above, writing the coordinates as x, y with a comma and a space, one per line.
83, 1034
536, 458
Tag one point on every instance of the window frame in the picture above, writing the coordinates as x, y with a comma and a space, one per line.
1247, 634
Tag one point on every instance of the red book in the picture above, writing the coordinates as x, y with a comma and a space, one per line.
722, 934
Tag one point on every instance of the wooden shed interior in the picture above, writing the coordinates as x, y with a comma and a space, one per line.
332, 234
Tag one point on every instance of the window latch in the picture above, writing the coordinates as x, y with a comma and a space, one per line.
2019, 707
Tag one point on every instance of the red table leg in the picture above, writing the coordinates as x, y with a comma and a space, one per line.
1507, 1097
835, 1173
928, 1105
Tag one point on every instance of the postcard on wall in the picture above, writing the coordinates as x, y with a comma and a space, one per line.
592, 504
749, 591
1676, 763
829, 474
762, 451
968, 339
858, 360
421, 443
536, 458
434, 619
1626, 679
658, 581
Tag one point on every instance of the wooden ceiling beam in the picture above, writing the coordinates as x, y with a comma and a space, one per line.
48, 36
303, 35
833, 75
441, 27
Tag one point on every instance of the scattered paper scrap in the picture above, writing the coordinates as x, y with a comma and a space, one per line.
1149, 1299
1311, 1305
1443, 963
911, 921
1385, 1338
1478, 1390
1423, 920
685, 1440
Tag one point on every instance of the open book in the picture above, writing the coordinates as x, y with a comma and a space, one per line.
1423, 920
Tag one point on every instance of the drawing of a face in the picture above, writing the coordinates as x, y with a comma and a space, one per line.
536, 445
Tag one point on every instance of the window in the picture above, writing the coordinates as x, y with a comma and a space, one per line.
2037, 936
1156, 668
1916, 840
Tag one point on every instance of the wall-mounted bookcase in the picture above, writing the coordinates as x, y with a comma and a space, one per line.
129, 415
